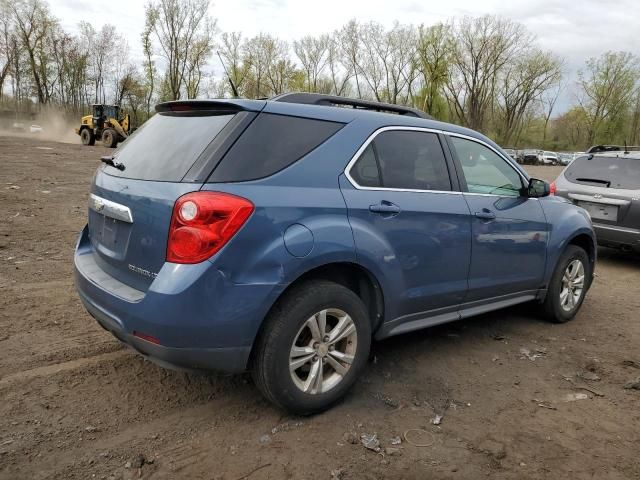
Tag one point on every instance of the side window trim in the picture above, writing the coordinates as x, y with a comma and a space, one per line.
347, 171
461, 177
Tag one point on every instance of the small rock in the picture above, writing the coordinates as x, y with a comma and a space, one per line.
393, 451
127, 465
265, 438
437, 420
633, 384
589, 376
572, 397
351, 438
337, 474
14, 187
90, 429
138, 461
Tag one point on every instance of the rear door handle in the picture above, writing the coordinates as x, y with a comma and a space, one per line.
485, 214
385, 208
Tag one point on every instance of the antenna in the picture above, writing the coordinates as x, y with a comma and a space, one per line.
233, 87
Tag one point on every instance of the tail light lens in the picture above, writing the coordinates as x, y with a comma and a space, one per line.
202, 223
552, 188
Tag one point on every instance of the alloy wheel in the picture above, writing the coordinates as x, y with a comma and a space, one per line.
323, 351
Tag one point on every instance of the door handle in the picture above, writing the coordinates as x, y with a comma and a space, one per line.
485, 214
385, 208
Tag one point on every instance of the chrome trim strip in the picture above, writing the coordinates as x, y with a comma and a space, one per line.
632, 231
371, 137
364, 146
602, 200
110, 209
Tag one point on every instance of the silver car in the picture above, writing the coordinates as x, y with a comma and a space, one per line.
607, 185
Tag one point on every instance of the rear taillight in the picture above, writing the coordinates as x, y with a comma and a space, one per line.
202, 223
552, 188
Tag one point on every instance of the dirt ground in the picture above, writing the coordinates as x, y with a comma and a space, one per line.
75, 404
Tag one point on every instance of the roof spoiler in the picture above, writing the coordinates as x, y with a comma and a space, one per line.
335, 101
218, 106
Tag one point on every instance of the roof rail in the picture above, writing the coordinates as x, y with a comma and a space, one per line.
612, 148
335, 101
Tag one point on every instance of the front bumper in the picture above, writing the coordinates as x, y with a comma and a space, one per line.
614, 236
200, 318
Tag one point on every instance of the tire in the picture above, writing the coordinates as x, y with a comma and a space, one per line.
287, 327
555, 307
87, 137
110, 138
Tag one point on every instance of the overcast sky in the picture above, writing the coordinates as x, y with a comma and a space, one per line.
573, 29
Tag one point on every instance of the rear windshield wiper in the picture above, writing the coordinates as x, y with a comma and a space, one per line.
110, 160
595, 180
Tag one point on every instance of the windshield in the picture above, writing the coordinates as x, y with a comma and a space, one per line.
166, 146
612, 172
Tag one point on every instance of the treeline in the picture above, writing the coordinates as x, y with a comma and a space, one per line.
486, 73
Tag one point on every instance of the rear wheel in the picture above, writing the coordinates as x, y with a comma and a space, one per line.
568, 285
87, 137
110, 138
313, 347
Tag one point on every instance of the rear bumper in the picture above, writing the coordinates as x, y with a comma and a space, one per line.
614, 236
200, 319
233, 359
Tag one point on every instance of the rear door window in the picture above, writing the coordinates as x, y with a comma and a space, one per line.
167, 145
403, 160
270, 144
601, 171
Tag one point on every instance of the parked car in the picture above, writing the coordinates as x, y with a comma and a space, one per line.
531, 157
35, 129
565, 158
513, 153
549, 158
283, 236
607, 185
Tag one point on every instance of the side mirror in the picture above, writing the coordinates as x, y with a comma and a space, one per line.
538, 188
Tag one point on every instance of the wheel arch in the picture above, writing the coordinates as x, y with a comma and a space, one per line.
350, 275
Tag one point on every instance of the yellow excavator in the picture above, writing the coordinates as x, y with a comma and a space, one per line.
106, 124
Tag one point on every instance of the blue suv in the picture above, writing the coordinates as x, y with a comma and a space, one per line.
282, 236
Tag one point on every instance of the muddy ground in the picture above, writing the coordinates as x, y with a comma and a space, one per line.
75, 404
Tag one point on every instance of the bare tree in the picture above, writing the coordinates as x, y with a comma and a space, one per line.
521, 82
179, 27
482, 47
313, 53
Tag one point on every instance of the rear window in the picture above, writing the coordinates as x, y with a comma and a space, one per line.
167, 145
270, 144
612, 172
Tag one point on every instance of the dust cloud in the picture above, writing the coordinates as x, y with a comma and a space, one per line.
56, 126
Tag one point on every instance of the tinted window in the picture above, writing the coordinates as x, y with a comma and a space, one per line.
365, 171
166, 146
271, 143
485, 171
407, 160
612, 172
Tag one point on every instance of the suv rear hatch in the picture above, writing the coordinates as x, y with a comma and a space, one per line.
607, 187
173, 153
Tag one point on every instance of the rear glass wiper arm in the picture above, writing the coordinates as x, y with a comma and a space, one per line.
595, 180
110, 160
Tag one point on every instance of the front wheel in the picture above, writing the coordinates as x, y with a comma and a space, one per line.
110, 138
87, 137
314, 345
568, 285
